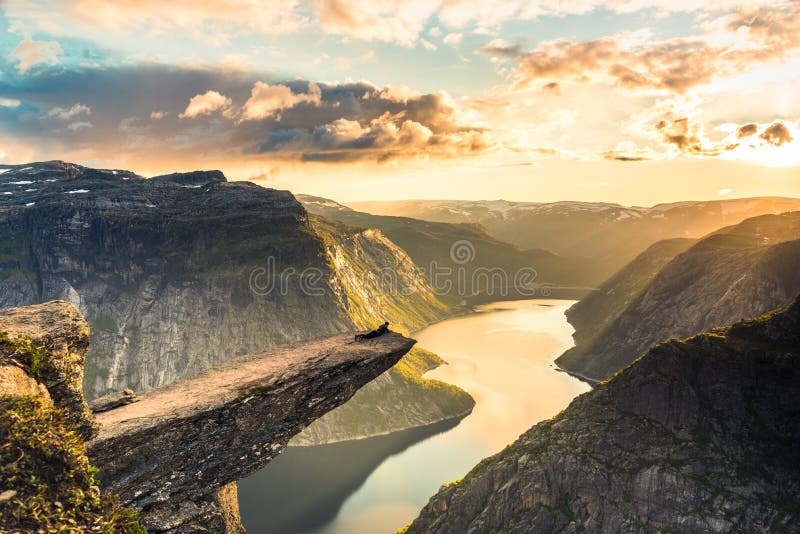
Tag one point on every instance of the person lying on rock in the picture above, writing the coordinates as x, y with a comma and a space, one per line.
382, 329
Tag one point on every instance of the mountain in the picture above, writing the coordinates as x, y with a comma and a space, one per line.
181, 272
738, 271
464, 263
698, 435
402, 398
593, 313
610, 234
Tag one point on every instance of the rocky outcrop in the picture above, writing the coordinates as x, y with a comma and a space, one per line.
43, 347
739, 271
698, 435
181, 442
46, 481
173, 454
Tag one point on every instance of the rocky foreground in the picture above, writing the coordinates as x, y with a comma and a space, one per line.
175, 453
698, 435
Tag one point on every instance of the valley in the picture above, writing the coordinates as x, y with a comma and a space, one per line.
184, 277
502, 355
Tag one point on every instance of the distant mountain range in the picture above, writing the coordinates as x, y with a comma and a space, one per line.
432, 244
674, 290
610, 234
698, 435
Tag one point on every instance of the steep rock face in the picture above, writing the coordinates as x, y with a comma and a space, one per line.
180, 443
43, 351
376, 280
46, 481
593, 313
699, 435
162, 267
739, 271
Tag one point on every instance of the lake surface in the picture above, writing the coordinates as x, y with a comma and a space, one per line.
502, 355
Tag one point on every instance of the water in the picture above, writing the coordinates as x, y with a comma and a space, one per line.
502, 355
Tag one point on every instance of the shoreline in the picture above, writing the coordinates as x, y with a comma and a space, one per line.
462, 311
453, 418
583, 378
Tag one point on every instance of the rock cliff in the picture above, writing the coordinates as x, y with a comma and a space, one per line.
175, 453
465, 263
178, 273
698, 435
738, 271
46, 481
179, 443
382, 281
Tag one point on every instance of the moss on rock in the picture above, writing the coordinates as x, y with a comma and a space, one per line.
48, 483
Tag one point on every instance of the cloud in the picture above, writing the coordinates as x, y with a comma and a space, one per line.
501, 48
427, 45
9, 102
205, 104
732, 44
395, 21
158, 115
269, 100
80, 125
746, 130
776, 134
294, 120
70, 112
209, 21
552, 87
453, 38
29, 53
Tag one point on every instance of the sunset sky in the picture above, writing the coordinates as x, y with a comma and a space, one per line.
630, 101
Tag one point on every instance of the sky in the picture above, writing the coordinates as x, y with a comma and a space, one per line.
629, 101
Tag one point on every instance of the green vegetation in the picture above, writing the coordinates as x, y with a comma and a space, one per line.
43, 462
24, 353
104, 323
92, 371
360, 261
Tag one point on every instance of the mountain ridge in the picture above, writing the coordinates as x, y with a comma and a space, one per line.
697, 435
737, 271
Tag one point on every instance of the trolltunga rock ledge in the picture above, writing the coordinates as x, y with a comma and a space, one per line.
182, 442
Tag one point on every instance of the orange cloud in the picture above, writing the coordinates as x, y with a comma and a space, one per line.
205, 104
269, 100
29, 53
736, 41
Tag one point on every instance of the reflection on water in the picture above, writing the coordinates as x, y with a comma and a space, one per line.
318, 479
502, 356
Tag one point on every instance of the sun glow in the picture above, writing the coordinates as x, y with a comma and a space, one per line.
786, 155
